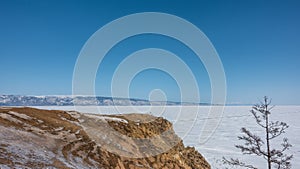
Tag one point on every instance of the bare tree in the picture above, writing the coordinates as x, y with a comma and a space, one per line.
255, 145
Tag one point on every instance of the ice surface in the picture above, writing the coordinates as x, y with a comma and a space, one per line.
188, 125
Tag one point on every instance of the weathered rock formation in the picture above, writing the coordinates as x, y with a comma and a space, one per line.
34, 138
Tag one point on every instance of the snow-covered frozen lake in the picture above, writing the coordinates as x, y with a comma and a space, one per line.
188, 124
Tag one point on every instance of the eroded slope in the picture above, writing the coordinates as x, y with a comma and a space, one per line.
35, 138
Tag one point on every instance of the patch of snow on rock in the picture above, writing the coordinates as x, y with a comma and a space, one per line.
23, 116
10, 118
107, 118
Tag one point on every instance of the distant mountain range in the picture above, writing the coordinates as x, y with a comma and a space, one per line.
20, 100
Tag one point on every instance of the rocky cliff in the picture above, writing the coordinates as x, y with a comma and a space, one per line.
34, 138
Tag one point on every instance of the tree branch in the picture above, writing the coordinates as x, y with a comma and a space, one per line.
276, 129
237, 162
253, 143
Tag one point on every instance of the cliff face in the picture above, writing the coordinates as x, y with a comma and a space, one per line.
33, 138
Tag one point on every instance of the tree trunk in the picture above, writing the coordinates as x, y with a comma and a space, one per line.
267, 135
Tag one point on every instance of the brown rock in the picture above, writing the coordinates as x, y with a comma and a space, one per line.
34, 138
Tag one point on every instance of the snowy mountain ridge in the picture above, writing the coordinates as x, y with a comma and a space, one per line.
69, 100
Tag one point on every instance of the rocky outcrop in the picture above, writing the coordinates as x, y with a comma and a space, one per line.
34, 138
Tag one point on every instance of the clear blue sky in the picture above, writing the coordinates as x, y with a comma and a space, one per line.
257, 41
